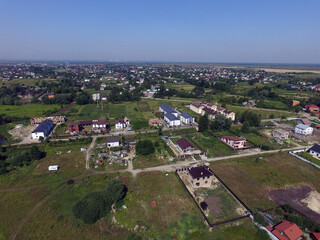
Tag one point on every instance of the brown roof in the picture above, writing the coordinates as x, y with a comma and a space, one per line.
183, 143
233, 138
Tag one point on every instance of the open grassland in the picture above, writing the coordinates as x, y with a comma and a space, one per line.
171, 202
14, 206
67, 155
251, 178
29, 110
283, 70
180, 86
27, 81
53, 218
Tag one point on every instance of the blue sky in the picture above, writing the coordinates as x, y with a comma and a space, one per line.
269, 31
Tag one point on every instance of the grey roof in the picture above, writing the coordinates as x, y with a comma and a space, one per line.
167, 109
113, 139
315, 148
186, 115
302, 126
46, 126
171, 117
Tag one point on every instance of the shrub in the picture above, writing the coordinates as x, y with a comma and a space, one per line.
70, 181
144, 147
260, 219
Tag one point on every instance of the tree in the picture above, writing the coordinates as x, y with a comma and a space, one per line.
203, 123
245, 127
116, 190
35, 153
221, 123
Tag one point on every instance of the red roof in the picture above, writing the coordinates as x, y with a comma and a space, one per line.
291, 230
312, 105
269, 228
153, 204
316, 235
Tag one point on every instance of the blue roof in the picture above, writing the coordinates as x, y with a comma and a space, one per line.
167, 109
171, 117
186, 115
46, 126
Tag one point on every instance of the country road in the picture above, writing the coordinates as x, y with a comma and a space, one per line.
89, 150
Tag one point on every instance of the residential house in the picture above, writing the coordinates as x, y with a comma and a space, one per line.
315, 151
172, 120
303, 129
184, 145
295, 103
104, 97
96, 96
280, 134
304, 121
315, 236
200, 176
120, 124
287, 231
43, 129
186, 118
211, 109
51, 95
99, 124
313, 108
113, 142
236, 143
155, 122
166, 110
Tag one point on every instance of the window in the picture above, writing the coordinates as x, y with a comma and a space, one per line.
197, 184
198, 178
208, 177
206, 182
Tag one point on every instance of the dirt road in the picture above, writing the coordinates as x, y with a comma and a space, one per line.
89, 150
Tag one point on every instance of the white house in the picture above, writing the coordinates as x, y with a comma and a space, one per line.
186, 118
172, 120
303, 129
113, 142
43, 129
119, 124
315, 151
96, 96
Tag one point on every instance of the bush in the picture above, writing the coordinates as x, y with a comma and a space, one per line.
70, 181
92, 207
288, 209
260, 219
144, 147
95, 205
133, 237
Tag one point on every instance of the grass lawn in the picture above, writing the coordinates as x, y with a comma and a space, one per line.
309, 157
27, 81
227, 204
265, 114
211, 144
251, 178
29, 110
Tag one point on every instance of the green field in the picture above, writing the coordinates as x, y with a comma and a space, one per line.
251, 178
29, 110
27, 81
265, 113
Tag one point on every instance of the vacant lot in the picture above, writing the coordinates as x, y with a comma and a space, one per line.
252, 178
